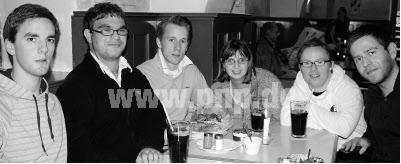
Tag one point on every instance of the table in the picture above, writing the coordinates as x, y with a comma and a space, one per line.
322, 143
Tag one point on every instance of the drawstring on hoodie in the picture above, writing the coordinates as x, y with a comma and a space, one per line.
48, 120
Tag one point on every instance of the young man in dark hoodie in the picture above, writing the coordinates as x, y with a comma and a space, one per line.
101, 126
32, 127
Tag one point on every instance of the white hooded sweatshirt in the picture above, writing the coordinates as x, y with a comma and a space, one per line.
338, 110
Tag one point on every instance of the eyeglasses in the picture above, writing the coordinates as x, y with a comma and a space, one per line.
241, 61
317, 63
109, 32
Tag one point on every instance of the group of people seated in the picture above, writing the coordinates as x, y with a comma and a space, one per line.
109, 111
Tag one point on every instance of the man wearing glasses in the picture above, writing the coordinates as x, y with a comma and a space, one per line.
98, 128
335, 100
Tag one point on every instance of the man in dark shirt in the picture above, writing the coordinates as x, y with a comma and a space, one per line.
106, 121
374, 55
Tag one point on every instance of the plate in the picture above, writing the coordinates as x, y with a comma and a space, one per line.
228, 145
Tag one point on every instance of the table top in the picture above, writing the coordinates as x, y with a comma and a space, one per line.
322, 144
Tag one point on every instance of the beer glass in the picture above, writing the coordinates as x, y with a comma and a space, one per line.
299, 116
257, 113
178, 139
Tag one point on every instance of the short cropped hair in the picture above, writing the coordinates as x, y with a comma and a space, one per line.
230, 49
382, 36
101, 10
24, 12
177, 20
313, 43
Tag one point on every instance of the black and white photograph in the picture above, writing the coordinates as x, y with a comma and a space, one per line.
200, 81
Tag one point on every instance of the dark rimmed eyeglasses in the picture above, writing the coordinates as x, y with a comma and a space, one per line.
317, 63
109, 32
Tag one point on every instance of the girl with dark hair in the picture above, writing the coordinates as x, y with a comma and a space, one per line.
238, 81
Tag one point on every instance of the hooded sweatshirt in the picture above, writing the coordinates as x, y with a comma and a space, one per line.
32, 127
337, 110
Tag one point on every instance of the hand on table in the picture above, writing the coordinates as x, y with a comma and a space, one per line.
149, 155
353, 143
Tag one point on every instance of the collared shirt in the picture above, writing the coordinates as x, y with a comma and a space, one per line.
382, 114
174, 73
122, 64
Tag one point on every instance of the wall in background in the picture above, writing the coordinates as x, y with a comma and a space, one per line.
356, 9
257, 7
285, 8
364, 9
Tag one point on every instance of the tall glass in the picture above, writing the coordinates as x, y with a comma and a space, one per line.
299, 116
258, 107
178, 140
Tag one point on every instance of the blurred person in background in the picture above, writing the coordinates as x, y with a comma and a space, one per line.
339, 27
267, 56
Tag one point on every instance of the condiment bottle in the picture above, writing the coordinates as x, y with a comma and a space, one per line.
207, 140
219, 141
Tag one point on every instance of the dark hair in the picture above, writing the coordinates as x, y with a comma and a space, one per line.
267, 27
177, 20
230, 49
382, 36
24, 12
343, 9
313, 43
100, 11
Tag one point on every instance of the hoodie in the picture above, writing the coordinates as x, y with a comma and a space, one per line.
32, 127
337, 110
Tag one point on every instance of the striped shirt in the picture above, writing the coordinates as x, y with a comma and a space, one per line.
30, 131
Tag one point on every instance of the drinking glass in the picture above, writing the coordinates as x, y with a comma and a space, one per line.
178, 140
299, 116
258, 107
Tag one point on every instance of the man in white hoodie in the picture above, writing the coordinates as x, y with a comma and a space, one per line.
335, 100
32, 127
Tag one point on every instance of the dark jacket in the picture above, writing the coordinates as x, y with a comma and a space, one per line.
99, 132
268, 57
382, 115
